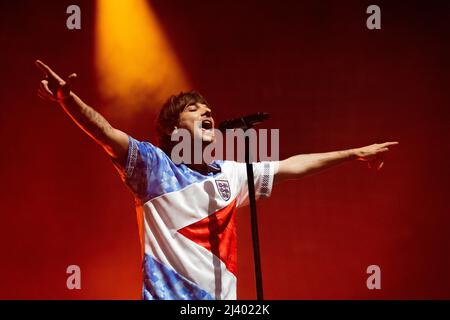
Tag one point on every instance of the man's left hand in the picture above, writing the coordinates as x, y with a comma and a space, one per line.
374, 153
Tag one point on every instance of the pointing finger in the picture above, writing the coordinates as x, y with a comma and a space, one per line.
43, 67
47, 71
386, 144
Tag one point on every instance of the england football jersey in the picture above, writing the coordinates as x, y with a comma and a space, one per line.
187, 222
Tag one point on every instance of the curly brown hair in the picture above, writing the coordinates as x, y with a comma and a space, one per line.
169, 115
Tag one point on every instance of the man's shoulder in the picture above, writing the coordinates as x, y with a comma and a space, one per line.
144, 145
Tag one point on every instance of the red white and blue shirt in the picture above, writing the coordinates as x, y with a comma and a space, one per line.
187, 222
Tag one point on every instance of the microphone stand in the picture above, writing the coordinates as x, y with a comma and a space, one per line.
246, 123
254, 221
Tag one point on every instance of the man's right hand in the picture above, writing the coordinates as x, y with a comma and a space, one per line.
53, 87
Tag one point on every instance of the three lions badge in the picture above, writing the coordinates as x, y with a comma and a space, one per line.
224, 189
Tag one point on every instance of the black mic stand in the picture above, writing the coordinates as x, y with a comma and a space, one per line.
246, 123
254, 221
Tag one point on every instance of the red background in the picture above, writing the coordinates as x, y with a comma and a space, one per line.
328, 82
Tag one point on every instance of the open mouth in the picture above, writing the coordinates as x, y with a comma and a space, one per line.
207, 124
207, 130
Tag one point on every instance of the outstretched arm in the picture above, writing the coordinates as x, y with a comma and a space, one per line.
304, 164
54, 88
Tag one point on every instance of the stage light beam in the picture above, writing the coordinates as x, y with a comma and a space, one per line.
135, 64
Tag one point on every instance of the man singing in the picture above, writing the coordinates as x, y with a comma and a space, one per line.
186, 212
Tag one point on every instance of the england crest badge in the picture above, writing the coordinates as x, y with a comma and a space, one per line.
224, 189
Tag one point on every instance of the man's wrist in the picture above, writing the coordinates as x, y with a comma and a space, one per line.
65, 98
353, 154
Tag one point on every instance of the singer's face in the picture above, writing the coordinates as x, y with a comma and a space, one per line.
197, 119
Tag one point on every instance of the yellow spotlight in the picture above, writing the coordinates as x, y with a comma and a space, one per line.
136, 66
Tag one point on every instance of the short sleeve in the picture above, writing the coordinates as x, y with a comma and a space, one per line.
139, 165
263, 174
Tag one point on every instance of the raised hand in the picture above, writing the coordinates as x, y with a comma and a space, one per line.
374, 153
53, 87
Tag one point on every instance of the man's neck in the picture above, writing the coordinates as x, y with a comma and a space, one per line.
202, 168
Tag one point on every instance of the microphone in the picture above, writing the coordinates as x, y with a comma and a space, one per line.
244, 122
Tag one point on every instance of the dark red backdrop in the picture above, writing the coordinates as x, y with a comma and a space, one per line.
328, 82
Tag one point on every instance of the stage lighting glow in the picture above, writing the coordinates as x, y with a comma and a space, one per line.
136, 66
